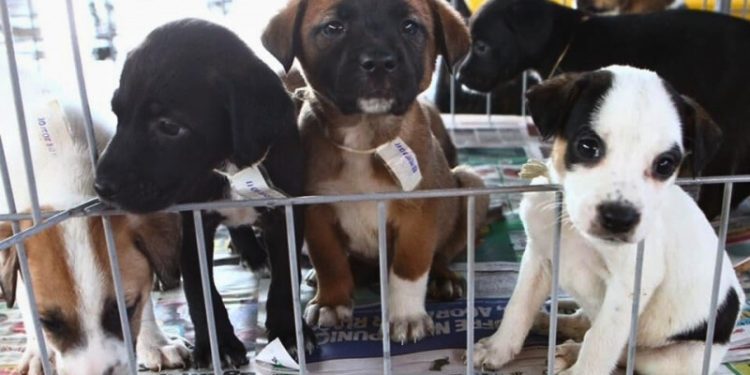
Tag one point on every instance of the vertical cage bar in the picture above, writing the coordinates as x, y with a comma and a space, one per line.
488, 107
630, 369
114, 264
724, 6
552, 343
88, 122
20, 115
383, 264
744, 9
200, 238
726, 202
470, 287
524, 79
294, 268
23, 263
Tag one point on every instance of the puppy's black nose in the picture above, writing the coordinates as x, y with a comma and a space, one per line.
105, 188
618, 217
373, 61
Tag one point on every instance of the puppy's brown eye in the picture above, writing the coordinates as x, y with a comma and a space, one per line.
333, 28
169, 128
664, 167
589, 148
409, 27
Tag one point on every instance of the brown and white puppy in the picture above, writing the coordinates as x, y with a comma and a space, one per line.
365, 61
69, 266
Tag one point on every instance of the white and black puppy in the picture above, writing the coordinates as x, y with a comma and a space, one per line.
620, 135
68, 263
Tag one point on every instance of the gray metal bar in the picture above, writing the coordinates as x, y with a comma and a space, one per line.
20, 115
524, 87
470, 286
705, 4
88, 122
630, 369
95, 207
200, 238
294, 268
744, 9
724, 6
383, 264
52, 221
122, 305
725, 205
488, 107
24, 266
552, 343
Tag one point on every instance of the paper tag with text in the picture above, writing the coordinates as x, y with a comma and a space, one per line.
50, 115
251, 183
401, 162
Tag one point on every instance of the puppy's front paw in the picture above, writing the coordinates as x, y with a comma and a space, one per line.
492, 353
327, 315
231, 350
447, 286
31, 361
411, 327
156, 352
283, 328
566, 355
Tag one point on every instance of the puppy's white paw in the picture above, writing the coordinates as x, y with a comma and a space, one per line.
566, 355
31, 361
411, 327
156, 352
327, 316
492, 353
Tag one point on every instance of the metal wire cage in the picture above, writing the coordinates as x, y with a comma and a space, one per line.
44, 219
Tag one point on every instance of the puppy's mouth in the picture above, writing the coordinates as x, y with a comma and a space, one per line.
375, 105
598, 233
140, 200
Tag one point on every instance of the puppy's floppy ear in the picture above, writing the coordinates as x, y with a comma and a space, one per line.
451, 33
281, 36
159, 238
8, 267
261, 112
701, 136
551, 101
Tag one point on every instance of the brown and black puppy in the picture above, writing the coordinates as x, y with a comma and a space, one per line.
365, 61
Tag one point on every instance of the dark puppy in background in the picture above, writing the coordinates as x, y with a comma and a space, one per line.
506, 97
193, 98
704, 55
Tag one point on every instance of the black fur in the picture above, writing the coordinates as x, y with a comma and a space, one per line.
193, 97
704, 55
726, 318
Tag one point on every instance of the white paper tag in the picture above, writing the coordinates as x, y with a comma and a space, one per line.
276, 355
401, 162
250, 183
49, 115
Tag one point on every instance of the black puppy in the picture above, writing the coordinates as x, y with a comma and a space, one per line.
506, 97
704, 55
194, 98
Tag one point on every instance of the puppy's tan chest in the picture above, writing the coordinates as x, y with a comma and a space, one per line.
358, 220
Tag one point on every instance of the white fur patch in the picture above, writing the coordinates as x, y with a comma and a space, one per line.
375, 106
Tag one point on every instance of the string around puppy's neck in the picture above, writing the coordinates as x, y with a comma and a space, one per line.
565, 50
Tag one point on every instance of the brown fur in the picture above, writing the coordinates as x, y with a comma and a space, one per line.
54, 286
558, 155
418, 230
